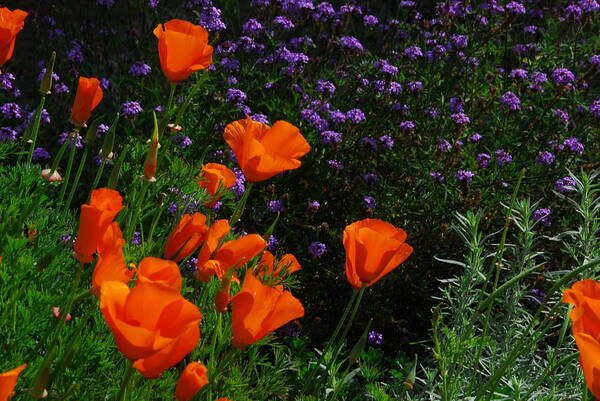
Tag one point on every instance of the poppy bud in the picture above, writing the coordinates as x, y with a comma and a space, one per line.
109, 139
90, 135
8, 380
193, 378
87, 98
152, 158
51, 176
359, 346
46, 84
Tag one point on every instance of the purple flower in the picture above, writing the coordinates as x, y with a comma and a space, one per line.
41, 155
330, 137
564, 185
10, 110
543, 216
335, 164
131, 108
55, 76
105, 3
475, 138
323, 11
545, 157
444, 145
140, 69
412, 52
369, 202
538, 295
283, 22
464, 175
63, 137
515, 8
355, 116
252, 27
510, 100
432, 112
590, 6
272, 243
375, 338
352, 44
386, 141
572, 12
137, 238
75, 54
385, 67
65, 238
210, 19
563, 76
407, 125
261, 118
370, 178
182, 141
172, 208
503, 157
518, 73
456, 105
153, 3
483, 159
437, 177
370, 142
104, 83
460, 118
325, 87
415, 86
595, 108
239, 187
595, 60
459, 41
317, 249
563, 115
574, 145
314, 205
61, 88
235, 96
370, 20
530, 29
276, 206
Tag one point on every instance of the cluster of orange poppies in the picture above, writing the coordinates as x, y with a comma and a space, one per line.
152, 323
585, 297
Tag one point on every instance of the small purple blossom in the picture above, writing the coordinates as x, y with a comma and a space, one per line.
330, 137
77, 139
456, 105
355, 116
335, 164
386, 141
437, 177
564, 185
545, 157
370, 178
475, 138
412, 52
407, 125
483, 159
283, 22
515, 8
369, 202
352, 44
563, 76
543, 215
140, 69
444, 145
464, 175
272, 243
137, 238
317, 249
276, 206
510, 100
10, 110
374, 338
595, 108
503, 157
40, 155
538, 295
131, 108
370, 20
182, 141
460, 118
574, 145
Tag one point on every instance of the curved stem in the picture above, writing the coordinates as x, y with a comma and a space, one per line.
123, 389
76, 180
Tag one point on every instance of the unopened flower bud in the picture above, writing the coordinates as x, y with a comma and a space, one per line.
46, 84
51, 176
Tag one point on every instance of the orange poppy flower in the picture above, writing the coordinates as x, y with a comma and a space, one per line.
584, 295
111, 262
188, 235
259, 309
373, 249
94, 220
88, 96
268, 269
151, 323
183, 48
8, 380
11, 23
192, 379
217, 230
264, 151
159, 271
215, 176
234, 253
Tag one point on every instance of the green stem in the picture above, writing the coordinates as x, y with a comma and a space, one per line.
133, 216
98, 173
165, 120
353, 315
126, 377
65, 182
76, 181
343, 318
237, 214
213, 348
35, 128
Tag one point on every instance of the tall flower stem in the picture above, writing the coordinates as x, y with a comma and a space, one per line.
76, 180
165, 120
72, 139
137, 205
35, 128
237, 214
126, 377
